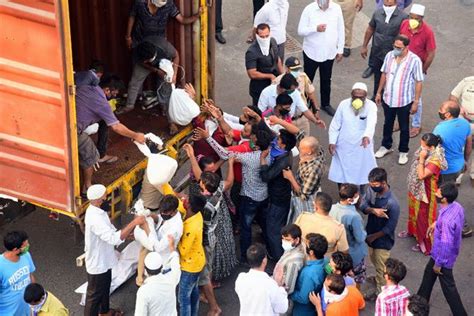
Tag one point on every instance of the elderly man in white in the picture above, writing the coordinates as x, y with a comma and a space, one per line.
351, 138
101, 237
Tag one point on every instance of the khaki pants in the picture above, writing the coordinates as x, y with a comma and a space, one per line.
348, 13
378, 258
149, 194
303, 123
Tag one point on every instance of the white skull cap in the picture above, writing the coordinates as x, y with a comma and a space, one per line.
95, 192
153, 261
418, 9
359, 86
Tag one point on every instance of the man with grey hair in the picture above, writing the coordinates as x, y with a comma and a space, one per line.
351, 136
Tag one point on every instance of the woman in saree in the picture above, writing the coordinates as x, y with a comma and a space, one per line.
422, 185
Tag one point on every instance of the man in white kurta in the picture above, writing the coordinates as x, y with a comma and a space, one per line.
351, 138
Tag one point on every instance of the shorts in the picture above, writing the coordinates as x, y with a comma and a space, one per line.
205, 275
88, 153
360, 272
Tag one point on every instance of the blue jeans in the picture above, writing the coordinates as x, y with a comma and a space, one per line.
250, 209
188, 294
275, 219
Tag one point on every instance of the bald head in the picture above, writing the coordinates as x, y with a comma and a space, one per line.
308, 147
450, 109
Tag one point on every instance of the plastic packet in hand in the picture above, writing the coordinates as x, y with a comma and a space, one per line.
167, 66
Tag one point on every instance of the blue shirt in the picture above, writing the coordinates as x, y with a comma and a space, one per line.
311, 278
454, 133
376, 224
352, 221
14, 278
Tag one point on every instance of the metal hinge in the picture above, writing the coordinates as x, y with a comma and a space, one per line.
71, 89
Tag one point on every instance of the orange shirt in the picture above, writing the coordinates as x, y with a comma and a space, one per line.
349, 306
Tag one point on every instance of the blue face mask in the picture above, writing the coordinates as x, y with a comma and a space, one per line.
397, 52
295, 73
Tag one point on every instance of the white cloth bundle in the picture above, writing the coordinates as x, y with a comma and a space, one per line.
182, 109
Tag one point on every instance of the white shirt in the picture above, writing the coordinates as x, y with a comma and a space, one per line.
233, 121
157, 240
322, 46
352, 162
100, 239
260, 295
157, 295
269, 95
275, 14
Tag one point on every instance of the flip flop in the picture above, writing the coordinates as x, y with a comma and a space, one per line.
404, 234
108, 159
416, 248
249, 40
415, 131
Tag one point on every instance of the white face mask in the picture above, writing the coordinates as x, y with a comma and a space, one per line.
323, 4
388, 12
355, 200
264, 44
158, 3
36, 308
286, 245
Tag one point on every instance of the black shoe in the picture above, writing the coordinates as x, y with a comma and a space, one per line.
347, 52
466, 232
329, 110
368, 72
220, 38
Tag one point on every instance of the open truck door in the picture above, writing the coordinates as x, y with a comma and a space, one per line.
37, 135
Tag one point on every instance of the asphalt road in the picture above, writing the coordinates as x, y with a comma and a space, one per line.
52, 242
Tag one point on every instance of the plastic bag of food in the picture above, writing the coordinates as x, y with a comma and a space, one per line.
160, 169
182, 108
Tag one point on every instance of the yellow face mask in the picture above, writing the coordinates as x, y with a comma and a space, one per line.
414, 23
357, 104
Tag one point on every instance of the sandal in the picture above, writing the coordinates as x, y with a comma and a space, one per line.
415, 131
249, 40
416, 248
404, 234
108, 159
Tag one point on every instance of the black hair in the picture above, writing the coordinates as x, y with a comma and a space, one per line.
211, 181
343, 262
402, 38
347, 191
318, 244
324, 201
112, 82
145, 51
431, 139
97, 66
338, 284
284, 99
169, 203
34, 292
255, 255
197, 202
418, 305
454, 109
14, 239
288, 139
449, 191
395, 270
378, 175
262, 26
264, 139
292, 230
154, 272
255, 109
288, 81
205, 161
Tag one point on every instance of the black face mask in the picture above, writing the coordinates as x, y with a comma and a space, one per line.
377, 189
284, 112
442, 116
166, 217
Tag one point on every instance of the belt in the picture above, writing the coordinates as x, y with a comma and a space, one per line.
296, 117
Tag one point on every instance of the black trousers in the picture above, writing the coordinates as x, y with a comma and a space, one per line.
257, 5
376, 66
403, 115
102, 138
448, 286
98, 292
325, 74
219, 25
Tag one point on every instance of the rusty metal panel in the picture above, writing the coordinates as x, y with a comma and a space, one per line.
35, 162
98, 30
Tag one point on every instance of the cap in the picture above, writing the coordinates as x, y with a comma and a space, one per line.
153, 261
293, 62
95, 192
418, 9
359, 86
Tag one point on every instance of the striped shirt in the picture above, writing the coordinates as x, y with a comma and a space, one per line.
399, 89
288, 267
448, 235
392, 301
252, 185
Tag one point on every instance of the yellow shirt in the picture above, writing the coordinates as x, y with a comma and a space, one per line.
327, 226
53, 307
191, 251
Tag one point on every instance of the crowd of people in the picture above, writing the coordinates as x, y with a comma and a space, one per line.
311, 255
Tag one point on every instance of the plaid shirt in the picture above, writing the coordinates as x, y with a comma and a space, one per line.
309, 175
252, 185
392, 301
401, 79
